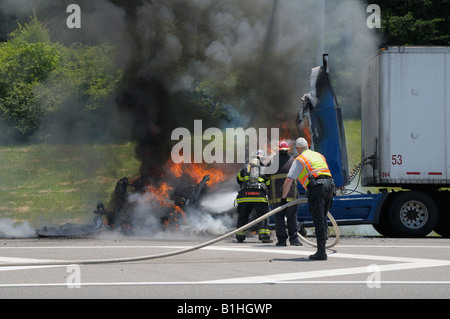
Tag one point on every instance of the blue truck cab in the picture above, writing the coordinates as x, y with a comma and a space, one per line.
320, 122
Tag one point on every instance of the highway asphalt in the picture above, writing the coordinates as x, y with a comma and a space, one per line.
358, 267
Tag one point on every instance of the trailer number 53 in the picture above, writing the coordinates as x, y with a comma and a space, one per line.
397, 160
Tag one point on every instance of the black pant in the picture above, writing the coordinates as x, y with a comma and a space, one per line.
320, 199
244, 210
280, 228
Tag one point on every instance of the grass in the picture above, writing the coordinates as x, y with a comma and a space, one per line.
353, 141
60, 183
46, 183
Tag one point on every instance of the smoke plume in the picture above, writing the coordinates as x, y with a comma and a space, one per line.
11, 229
255, 56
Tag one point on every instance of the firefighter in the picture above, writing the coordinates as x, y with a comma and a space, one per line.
276, 189
311, 169
253, 195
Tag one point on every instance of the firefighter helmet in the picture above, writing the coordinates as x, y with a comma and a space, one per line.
283, 146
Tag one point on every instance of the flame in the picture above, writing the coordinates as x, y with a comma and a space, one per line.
284, 130
196, 171
199, 171
176, 170
161, 196
161, 193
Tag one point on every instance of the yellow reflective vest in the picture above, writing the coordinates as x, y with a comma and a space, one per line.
314, 164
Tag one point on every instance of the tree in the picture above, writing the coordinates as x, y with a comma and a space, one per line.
78, 95
51, 88
415, 22
25, 60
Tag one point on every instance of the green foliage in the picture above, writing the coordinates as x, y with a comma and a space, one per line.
27, 62
87, 75
24, 63
32, 32
20, 110
408, 30
42, 82
415, 22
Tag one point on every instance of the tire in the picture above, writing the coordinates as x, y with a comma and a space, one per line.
384, 226
413, 214
384, 229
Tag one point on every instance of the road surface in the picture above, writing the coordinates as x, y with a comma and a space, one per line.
357, 267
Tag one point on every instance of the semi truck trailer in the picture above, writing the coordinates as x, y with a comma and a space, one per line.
405, 136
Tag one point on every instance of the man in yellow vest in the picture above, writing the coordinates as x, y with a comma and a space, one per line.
311, 170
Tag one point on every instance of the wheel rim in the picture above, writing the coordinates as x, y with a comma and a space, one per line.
414, 214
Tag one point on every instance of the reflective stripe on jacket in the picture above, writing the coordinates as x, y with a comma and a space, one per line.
252, 192
314, 164
277, 180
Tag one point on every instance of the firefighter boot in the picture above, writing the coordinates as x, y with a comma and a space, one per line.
295, 242
240, 237
264, 235
321, 253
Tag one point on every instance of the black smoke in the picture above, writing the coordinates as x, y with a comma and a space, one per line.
227, 62
247, 52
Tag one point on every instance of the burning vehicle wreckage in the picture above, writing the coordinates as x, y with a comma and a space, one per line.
140, 208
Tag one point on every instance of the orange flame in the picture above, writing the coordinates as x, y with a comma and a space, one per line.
284, 130
196, 171
161, 195
176, 170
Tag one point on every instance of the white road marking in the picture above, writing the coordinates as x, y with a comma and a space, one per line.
401, 263
326, 273
18, 260
404, 263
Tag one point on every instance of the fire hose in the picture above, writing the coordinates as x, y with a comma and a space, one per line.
181, 251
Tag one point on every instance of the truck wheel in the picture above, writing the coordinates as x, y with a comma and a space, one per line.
384, 229
384, 226
413, 214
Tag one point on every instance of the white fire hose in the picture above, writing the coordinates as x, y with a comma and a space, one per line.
178, 252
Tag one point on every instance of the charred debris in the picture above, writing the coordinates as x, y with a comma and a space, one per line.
147, 205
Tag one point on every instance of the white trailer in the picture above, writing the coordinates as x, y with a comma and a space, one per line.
405, 137
406, 117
